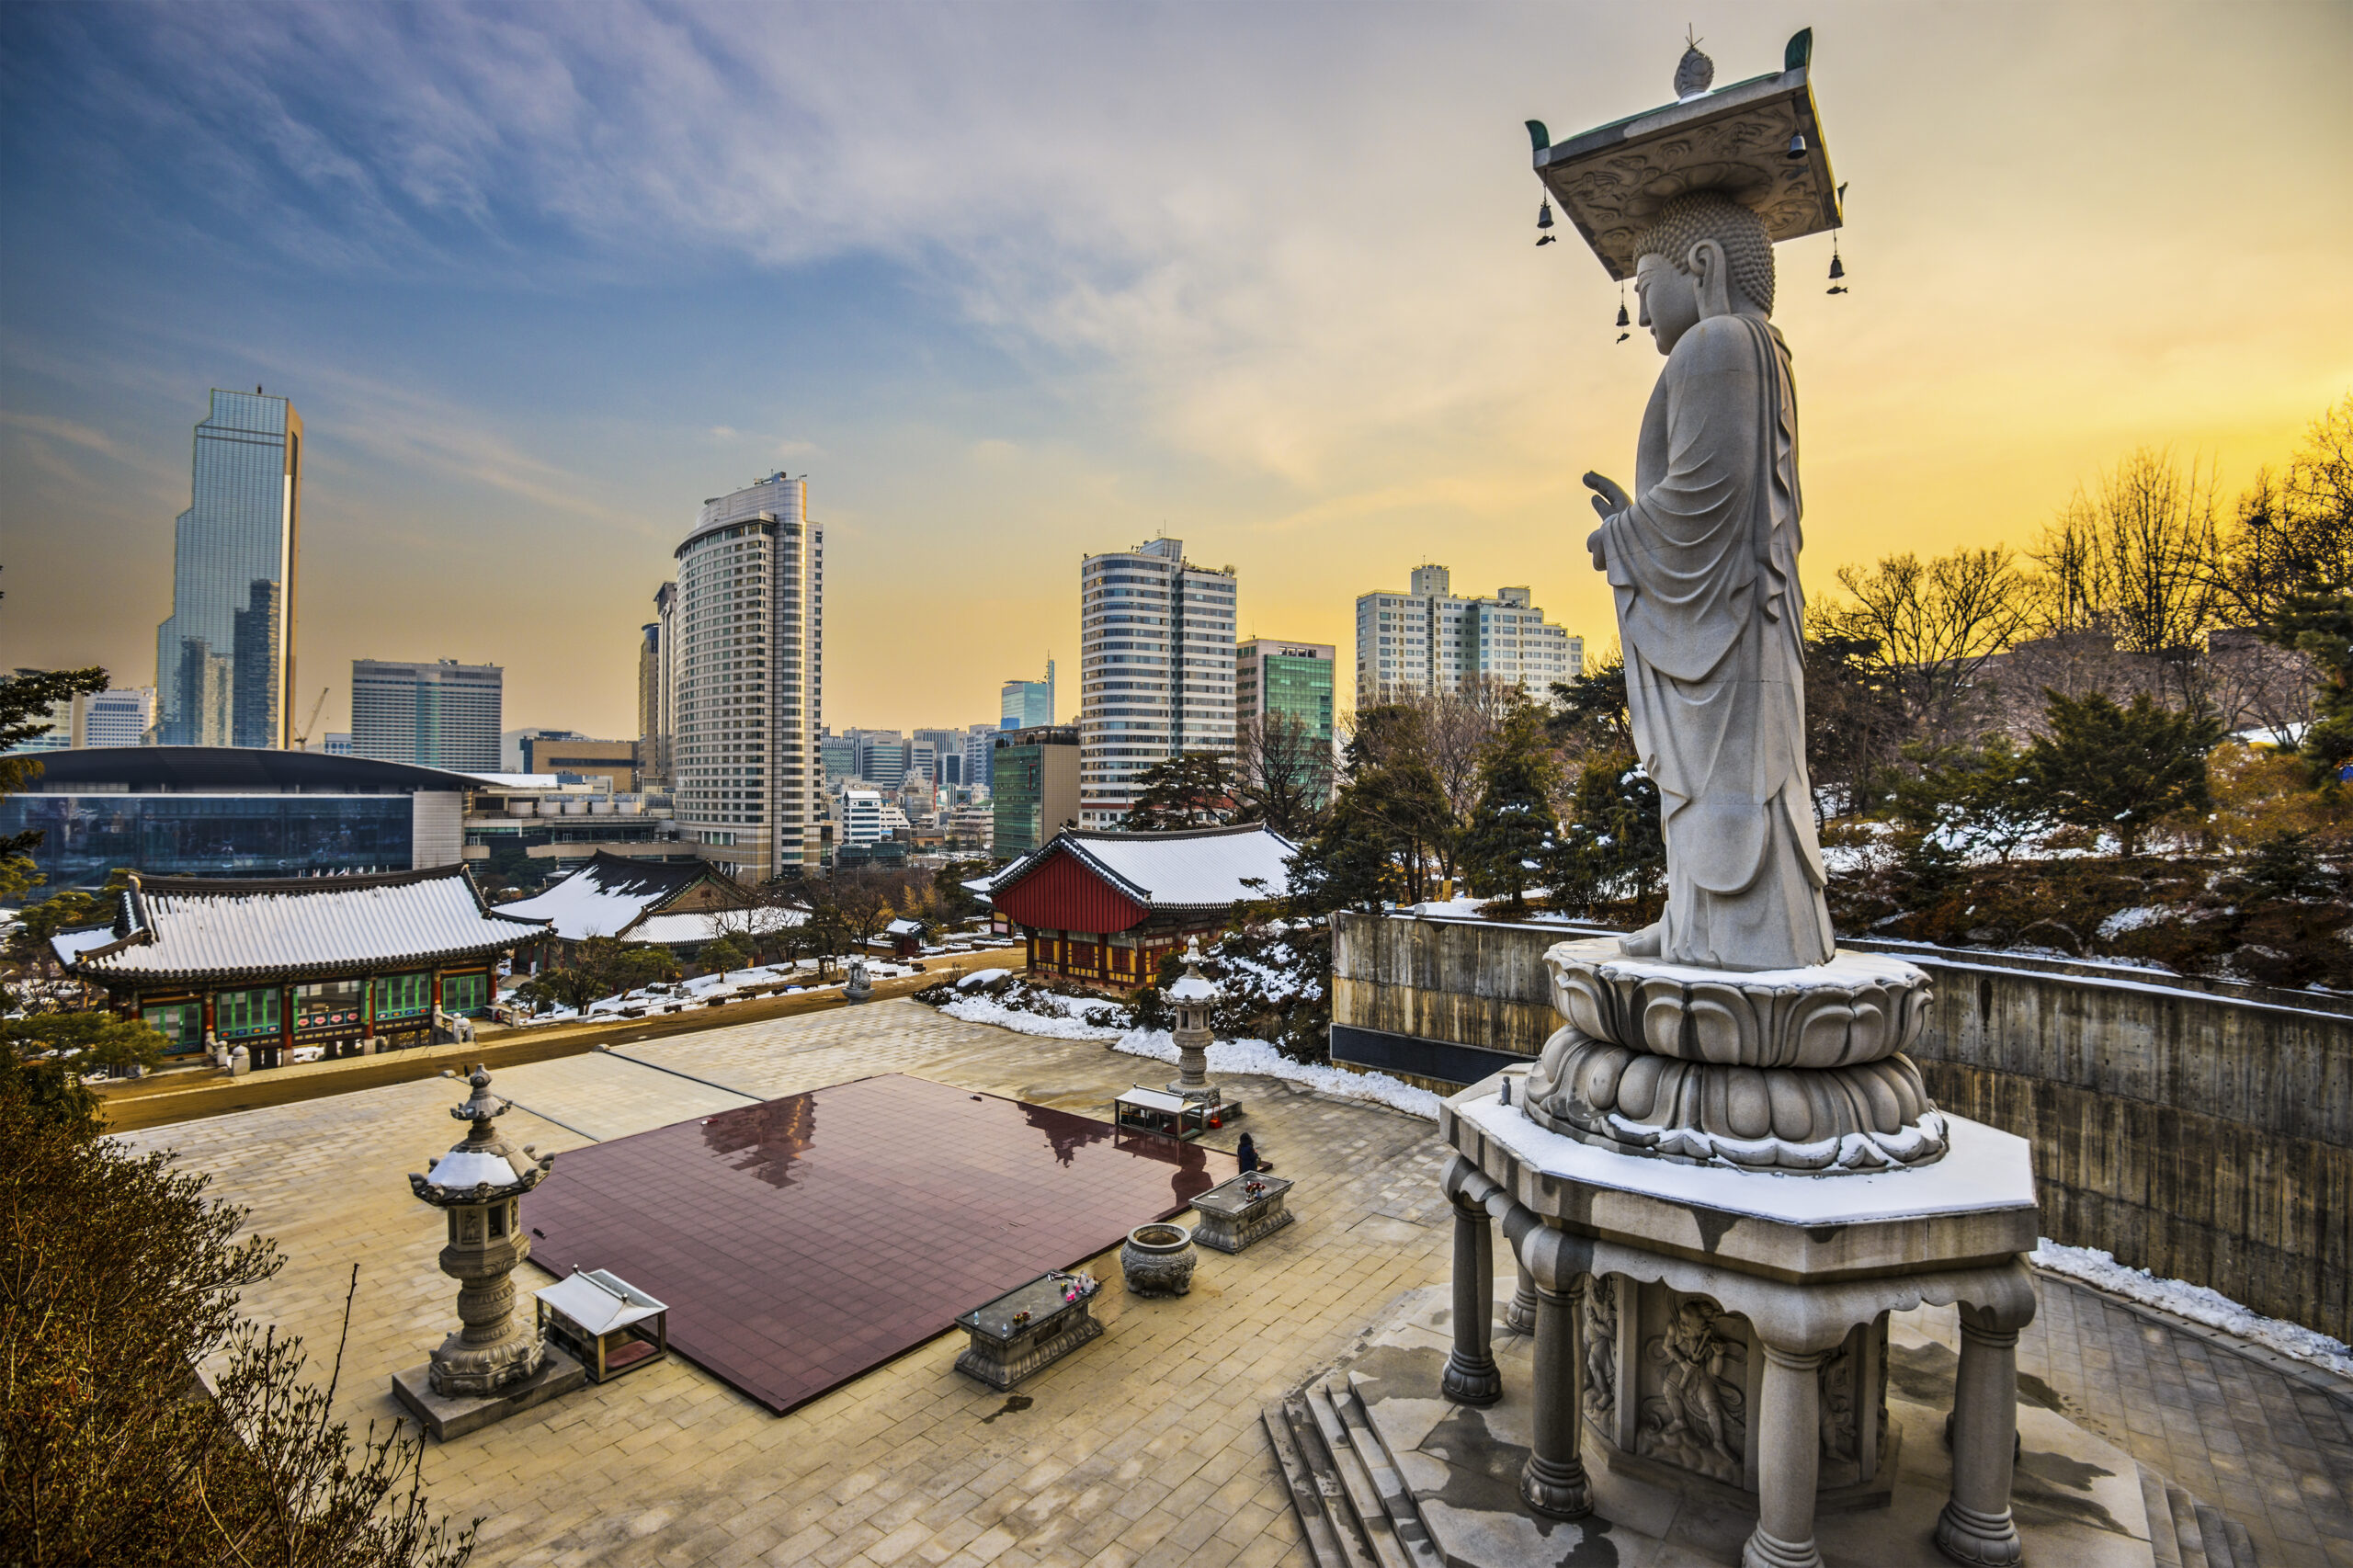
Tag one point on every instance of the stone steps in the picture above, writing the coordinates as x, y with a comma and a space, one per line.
1352, 1502
2187, 1533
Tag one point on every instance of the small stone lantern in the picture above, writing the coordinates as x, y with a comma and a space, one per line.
494, 1365
1192, 996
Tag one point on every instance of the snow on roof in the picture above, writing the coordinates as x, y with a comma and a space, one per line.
608, 895
670, 930
197, 928
1204, 867
518, 780
70, 945
904, 928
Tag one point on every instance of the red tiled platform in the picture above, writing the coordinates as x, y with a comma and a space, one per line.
802, 1241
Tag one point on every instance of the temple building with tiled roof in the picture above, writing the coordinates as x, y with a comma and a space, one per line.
1102, 908
659, 903
343, 963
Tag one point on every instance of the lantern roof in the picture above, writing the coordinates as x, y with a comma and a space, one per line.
482, 1166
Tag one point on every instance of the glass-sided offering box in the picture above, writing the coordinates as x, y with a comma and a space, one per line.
611, 1325
1028, 1327
1172, 1116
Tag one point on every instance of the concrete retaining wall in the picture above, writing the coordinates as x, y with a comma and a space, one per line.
2203, 1136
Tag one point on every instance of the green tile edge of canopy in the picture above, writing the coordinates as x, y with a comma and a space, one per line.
1612, 180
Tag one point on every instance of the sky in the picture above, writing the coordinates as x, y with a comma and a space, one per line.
1012, 284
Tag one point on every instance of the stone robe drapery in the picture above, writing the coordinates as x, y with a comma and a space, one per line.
1704, 568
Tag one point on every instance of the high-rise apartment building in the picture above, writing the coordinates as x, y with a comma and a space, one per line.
443, 714
1155, 669
1428, 639
224, 659
1027, 704
747, 652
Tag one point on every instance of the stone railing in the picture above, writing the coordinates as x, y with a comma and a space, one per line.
2202, 1132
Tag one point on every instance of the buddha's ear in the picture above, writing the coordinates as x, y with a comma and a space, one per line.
1707, 267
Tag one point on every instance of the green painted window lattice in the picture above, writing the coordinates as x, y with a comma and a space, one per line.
403, 995
181, 1023
465, 993
237, 1013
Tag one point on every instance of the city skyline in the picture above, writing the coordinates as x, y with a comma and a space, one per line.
1175, 309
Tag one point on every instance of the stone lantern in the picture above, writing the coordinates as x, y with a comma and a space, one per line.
1193, 995
494, 1364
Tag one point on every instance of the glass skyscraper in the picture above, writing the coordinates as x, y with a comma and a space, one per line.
224, 661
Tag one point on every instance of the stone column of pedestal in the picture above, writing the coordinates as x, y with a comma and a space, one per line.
1976, 1526
1553, 1481
1788, 1461
1520, 1315
1470, 1375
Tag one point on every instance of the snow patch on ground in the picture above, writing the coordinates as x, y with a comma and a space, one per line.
1071, 1017
2195, 1303
2132, 919
1257, 1058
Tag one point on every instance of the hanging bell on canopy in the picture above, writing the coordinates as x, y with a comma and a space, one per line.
1544, 214
1624, 320
1797, 148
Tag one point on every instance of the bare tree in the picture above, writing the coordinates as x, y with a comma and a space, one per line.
1282, 773
2135, 560
1930, 627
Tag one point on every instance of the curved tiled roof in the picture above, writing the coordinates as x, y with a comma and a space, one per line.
1196, 868
189, 929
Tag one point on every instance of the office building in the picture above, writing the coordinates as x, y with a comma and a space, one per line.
512, 741
224, 658
114, 717
232, 811
649, 701
839, 756
980, 753
1155, 669
1027, 704
880, 757
120, 717
1293, 680
861, 816
1427, 639
337, 743
613, 763
747, 657
1034, 786
947, 768
1285, 689
443, 714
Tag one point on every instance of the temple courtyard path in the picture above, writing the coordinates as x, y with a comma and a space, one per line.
1143, 1447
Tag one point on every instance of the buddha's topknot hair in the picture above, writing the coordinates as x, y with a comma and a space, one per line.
1699, 215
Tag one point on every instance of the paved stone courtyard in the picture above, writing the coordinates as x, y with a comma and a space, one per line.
1145, 1447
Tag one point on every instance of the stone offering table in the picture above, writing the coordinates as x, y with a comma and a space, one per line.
1028, 1329
1234, 1216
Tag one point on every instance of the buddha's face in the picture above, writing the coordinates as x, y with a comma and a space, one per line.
1670, 300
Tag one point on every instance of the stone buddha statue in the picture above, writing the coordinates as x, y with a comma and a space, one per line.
1702, 559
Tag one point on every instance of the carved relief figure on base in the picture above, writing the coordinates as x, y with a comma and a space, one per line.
1601, 1349
1697, 1417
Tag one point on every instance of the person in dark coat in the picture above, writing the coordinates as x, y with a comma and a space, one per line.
1246, 1155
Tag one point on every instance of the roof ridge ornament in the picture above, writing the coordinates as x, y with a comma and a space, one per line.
1694, 72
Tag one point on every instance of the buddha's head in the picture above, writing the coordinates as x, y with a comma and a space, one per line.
1705, 247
